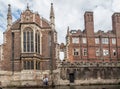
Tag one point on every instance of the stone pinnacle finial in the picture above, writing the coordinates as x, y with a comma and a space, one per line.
9, 5
51, 11
52, 17
9, 10
9, 16
68, 30
28, 6
51, 4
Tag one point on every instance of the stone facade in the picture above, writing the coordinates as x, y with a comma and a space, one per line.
89, 73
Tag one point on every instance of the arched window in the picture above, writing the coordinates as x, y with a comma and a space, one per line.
28, 45
37, 42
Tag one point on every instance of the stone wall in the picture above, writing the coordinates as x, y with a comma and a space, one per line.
86, 73
23, 78
90, 73
83, 74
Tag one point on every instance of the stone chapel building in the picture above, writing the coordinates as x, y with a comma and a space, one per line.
30, 42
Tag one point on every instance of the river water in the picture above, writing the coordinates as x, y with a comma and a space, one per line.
78, 87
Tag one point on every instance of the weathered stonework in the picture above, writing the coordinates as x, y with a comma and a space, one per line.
90, 73
23, 78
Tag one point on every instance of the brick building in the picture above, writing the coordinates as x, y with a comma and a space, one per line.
29, 42
91, 46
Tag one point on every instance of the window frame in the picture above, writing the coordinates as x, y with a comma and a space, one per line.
105, 52
98, 52
113, 41
37, 42
28, 40
84, 40
105, 41
85, 51
114, 52
97, 41
75, 40
76, 52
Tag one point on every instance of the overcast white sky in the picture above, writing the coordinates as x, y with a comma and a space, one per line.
67, 13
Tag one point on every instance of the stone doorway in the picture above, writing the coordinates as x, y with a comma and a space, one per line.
71, 77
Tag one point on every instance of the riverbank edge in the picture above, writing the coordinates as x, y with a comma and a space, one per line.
49, 86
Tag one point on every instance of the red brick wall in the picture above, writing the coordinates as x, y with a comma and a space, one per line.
7, 51
17, 45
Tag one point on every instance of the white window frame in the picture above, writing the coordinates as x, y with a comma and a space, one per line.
97, 41
98, 52
105, 52
84, 40
84, 51
75, 40
114, 52
105, 40
113, 41
76, 51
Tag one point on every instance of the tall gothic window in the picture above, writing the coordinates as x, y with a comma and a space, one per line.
28, 45
37, 42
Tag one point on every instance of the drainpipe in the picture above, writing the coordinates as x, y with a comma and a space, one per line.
12, 53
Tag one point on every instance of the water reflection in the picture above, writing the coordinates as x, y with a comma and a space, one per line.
78, 87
